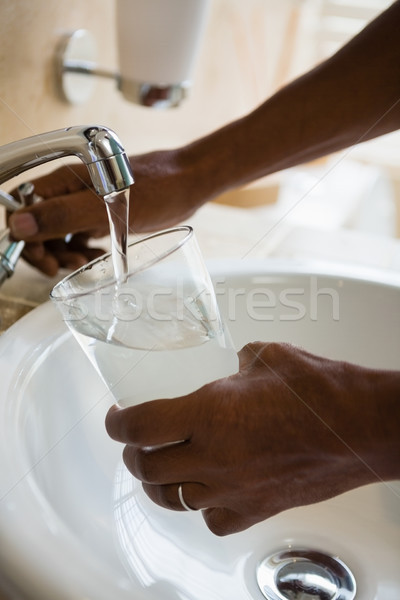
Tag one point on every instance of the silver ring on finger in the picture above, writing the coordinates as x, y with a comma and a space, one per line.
182, 499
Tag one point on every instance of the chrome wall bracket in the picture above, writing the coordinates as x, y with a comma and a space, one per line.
76, 67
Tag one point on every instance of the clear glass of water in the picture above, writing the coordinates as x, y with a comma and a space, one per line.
155, 333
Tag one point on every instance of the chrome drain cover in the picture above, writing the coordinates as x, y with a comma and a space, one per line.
301, 574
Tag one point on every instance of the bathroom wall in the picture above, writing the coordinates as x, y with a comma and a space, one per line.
236, 70
250, 49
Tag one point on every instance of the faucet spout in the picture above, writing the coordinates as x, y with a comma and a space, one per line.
98, 147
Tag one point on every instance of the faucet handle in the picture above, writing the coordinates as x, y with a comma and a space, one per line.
9, 202
9, 254
10, 250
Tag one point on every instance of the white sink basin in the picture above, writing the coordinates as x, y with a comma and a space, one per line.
74, 524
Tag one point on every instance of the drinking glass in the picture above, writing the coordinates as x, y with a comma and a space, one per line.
155, 333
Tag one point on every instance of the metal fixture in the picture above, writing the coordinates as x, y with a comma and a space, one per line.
9, 202
76, 58
10, 251
98, 148
158, 42
302, 574
9, 254
76, 69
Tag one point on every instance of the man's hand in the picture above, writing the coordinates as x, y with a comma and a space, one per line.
70, 208
161, 197
286, 431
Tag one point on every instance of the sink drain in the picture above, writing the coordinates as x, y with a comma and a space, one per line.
300, 574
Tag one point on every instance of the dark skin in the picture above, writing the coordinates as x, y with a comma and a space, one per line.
284, 432
290, 428
350, 98
72, 206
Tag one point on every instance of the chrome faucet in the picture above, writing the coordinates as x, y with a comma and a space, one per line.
10, 250
99, 149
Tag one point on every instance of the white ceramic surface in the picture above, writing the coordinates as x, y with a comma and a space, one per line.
74, 524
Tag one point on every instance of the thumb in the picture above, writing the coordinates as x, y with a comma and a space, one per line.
154, 423
224, 521
56, 217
